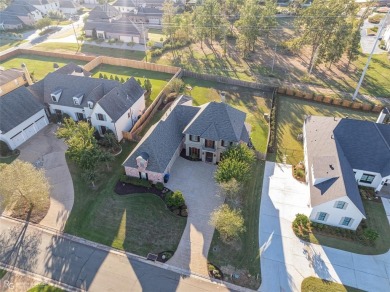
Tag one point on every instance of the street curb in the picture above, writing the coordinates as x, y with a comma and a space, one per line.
129, 255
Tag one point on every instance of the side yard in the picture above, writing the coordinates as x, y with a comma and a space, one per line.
311, 284
254, 102
138, 223
243, 258
289, 124
38, 66
158, 79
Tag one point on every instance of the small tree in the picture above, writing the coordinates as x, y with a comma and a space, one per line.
122, 80
90, 175
111, 77
139, 81
43, 23
175, 199
105, 76
176, 85
147, 85
22, 181
228, 222
101, 75
301, 225
232, 168
240, 152
116, 78
371, 235
231, 189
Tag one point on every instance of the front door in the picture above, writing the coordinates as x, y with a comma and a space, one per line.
80, 116
143, 175
209, 157
103, 130
194, 152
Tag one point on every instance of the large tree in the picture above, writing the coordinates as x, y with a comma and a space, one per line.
319, 25
169, 19
228, 222
21, 181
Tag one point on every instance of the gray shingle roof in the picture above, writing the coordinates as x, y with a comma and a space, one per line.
17, 106
10, 75
355, 144
103, 12
122, 27
7, 18
73, 69
125, 3
121, 98
162, 140
73, 85
20, 8
69, 4
218, 121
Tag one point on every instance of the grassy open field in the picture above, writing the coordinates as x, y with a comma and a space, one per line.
138, 223
158, 79
312, 284
376, 217
245, 255
253, 102
89, 50
39, 65
5, 44
290, 116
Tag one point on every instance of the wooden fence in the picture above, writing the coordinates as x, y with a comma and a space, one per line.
228, 80
16, 52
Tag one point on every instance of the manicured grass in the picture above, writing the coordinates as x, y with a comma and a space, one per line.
245, 255
290, 116
253, 103
2, 273
138, 223
45, 288
312, 284
158, 79
155, 35
376, 220
90, 50
5, 44
40, 65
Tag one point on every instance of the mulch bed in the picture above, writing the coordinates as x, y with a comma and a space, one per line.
159, 256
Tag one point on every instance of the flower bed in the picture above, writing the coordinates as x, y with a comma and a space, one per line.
299, 172
214, 271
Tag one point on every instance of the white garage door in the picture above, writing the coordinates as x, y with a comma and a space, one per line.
17, 139
126, 39
40, 123
136, 40
29, 131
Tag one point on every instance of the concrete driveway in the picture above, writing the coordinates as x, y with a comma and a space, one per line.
46, 151
196, 181
286, 260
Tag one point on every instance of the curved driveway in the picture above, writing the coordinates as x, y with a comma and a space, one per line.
46, 151
286, 260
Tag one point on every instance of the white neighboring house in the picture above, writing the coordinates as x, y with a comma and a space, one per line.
45, 6
21, 117
338, 158
69, 7
386, 38
107, 104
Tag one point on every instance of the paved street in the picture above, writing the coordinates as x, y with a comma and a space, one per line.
83, 266
196, 180
286, 260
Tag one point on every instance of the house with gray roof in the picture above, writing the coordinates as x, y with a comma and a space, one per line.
338, 158
202, 133
107, 104
21, 117
18, 14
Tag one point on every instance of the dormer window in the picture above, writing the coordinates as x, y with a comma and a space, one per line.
78, 99
194, 138
55, 96
90, 104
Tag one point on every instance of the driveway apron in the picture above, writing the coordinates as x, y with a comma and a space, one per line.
196, 181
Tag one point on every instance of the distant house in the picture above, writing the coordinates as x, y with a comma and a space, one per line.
341, 154
45, 6
21, 117
201, 132
150, 16
13, 78
107, 104
386, 38
18, 14
125, 6
69, 7
106, 22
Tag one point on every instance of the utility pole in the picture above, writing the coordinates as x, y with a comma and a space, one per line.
146, 49
369, 58
78, 45
273, 60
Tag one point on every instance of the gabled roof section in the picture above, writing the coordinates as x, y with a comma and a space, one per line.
123, 27
162, 139
218, 121
118, 101
16, 107
10, 75
73, 69
101, 12
125, 3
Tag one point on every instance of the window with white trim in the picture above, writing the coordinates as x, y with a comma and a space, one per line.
322, 216
346, 221
367, 178
340, 205
101, 117
194, 138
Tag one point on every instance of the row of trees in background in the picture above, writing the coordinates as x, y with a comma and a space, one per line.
233, 171
147, 85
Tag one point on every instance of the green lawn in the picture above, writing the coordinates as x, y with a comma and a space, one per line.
90, 50
376, 220
290, 115
312, 284
2, 273
40, 65
253, 103
45, 288
155, 35
246, 255
5, 44
138, 223
158, 79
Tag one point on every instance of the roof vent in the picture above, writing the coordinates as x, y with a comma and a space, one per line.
331, 166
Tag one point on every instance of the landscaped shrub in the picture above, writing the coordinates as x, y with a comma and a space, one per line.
175, 199
370, 235
135, 181
301, 226
156, 53
240, 152
159, 186
228, 222
232, 168
4, 149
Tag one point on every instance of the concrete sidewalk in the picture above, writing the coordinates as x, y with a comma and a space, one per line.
286, 260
